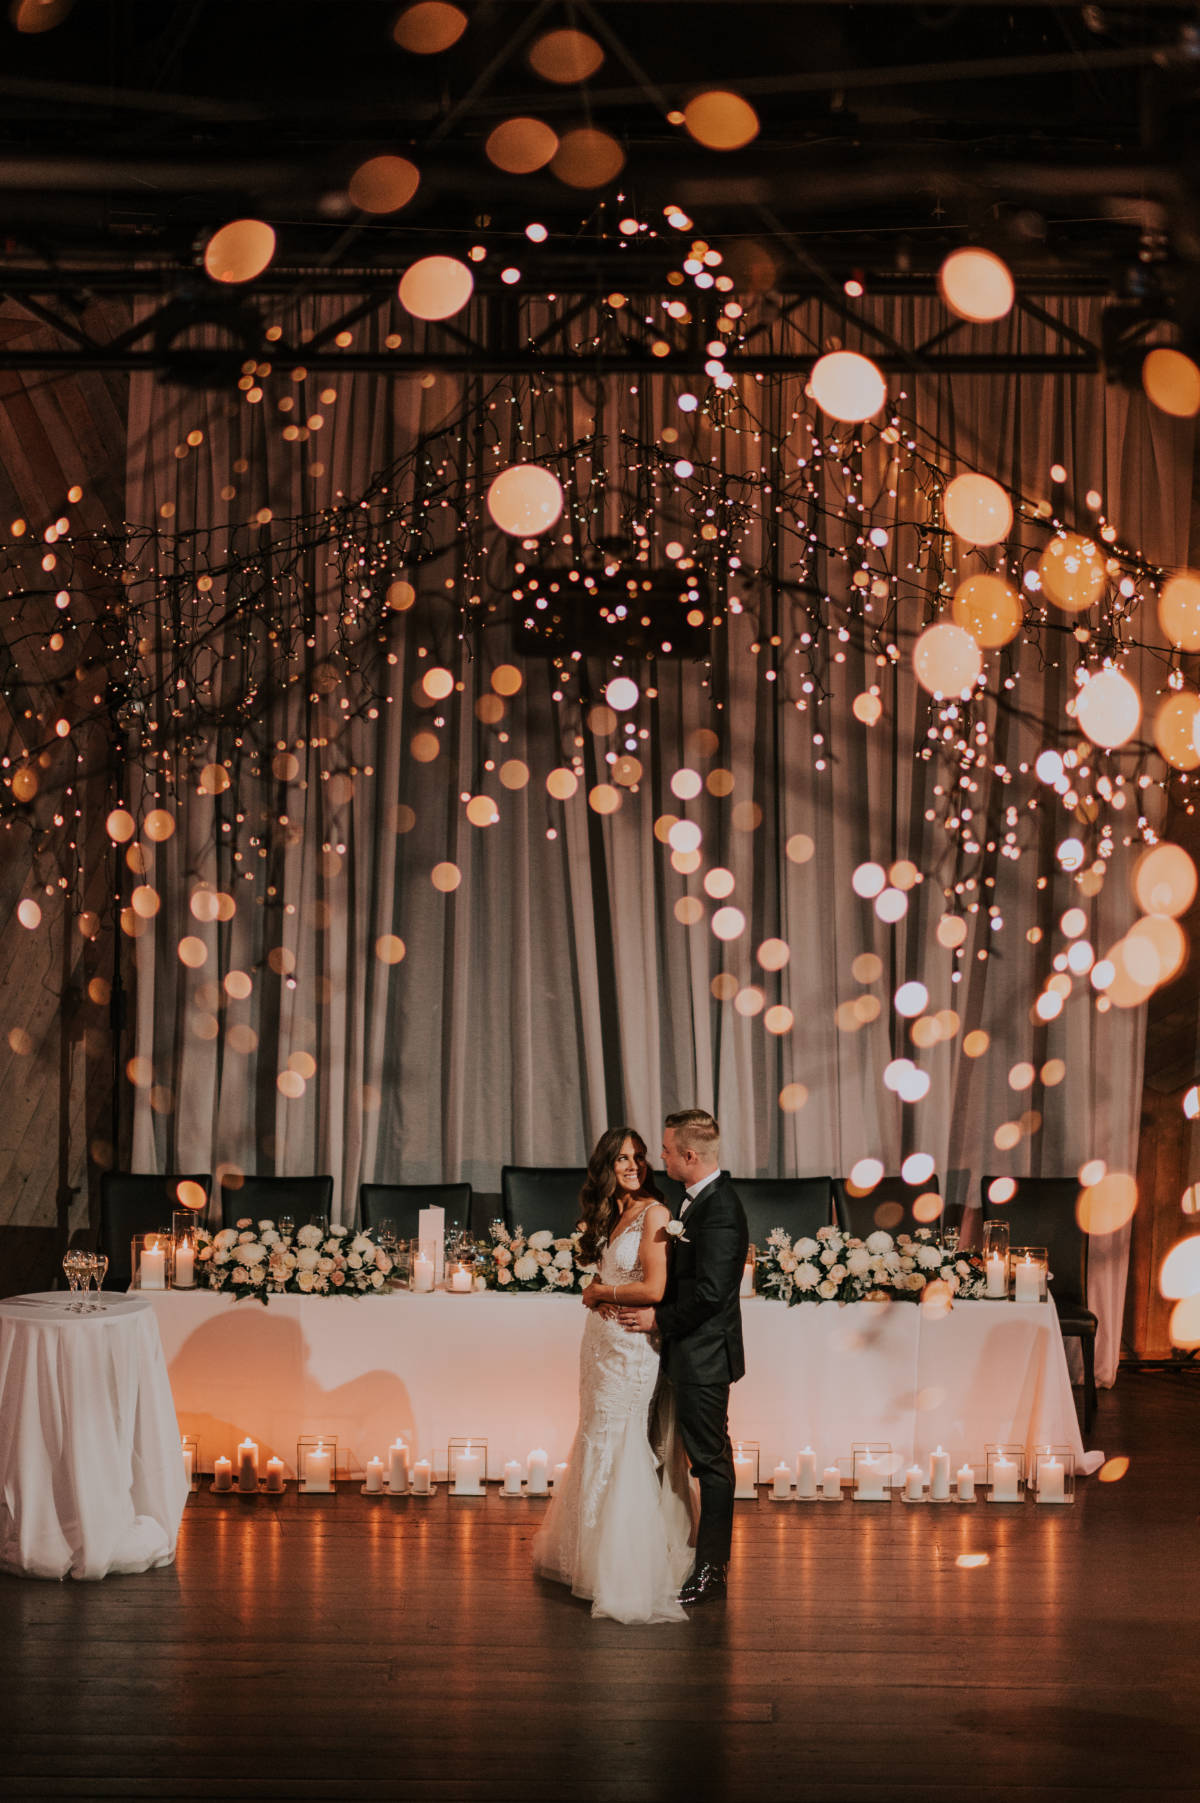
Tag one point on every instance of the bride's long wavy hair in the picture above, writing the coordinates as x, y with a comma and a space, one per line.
598, 1199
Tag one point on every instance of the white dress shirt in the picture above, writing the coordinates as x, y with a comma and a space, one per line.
696, 1189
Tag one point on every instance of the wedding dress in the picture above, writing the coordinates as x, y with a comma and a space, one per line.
618, 1527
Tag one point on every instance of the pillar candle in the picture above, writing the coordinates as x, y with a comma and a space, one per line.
188, 1463
398, 1468
806, 1472
318, 1471
997, 1275
1027, 1281
743, 1471
467, 1474
831, 1483
152, 1268
185, 1266
374, 1480
275, 1476
560, 1472
781, 1488
512, 1477
1004, 1480
536, 1467
460, 1280
431, 1235
914, 1484
747, 1283
1052, 1481
966, 1483
222, 1473
868, 1479
939, 1476
422, 1273
422, 1478
247, 1465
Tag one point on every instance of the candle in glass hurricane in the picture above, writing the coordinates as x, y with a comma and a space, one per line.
467, 1473
318, 1470
152, 1267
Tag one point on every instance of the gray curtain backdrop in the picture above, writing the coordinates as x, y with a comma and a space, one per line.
555, 991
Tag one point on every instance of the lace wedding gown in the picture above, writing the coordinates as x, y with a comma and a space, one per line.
618, 1527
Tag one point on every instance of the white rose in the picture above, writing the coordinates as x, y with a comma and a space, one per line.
879, 1241
324, 1266
245, 1238
382, 1262
563, 1279
526, 1268
240, 1274
269, 1237
330, 1246
561, 1245
250, 1253
542, 1256
806, 1248
354, 1261
539, 1241
377, 1280
305, 1281
564, 1259
788, 1261
502, 1255
826, 1233
837, 1273
859, 1262
307, 1257
309, 1235
829, 1256
362, 1244
806, 1276
827, 1289
503, 1275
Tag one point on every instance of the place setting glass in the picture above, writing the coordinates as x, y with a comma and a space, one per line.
286, 1225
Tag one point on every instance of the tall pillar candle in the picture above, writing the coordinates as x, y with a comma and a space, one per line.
939, 1476
997, 1275
1027, 1281
247, 1454
1004, 1480
431, 1233
398, 1468
185, 1266
869, 1479
744, 1474
1052, 1481
914, 1484
806, 1473
467, 1473
152, 1268
424, 1272
536, 1468
188, 1462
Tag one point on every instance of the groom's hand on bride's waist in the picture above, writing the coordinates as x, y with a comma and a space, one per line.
637, 1320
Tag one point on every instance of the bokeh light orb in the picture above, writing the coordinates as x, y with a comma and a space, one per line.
1072, 573
436, 287
429, 27
978, 509
847, 386
868, 880
622, 693
521, 145
565, 56
728, 923
865, 1173
383, 184
976, 284
239, 251
1171, 381
1106, 1206
587, 158
1108, 708
1164, 880
1179, 610
1180, 1273
946, 660
525, 500
989, 609
720, 120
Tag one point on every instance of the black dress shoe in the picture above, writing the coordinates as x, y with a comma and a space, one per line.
705, 1583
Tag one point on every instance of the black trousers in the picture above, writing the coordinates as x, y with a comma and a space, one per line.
703, 1415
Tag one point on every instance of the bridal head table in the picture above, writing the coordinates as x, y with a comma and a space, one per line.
91, 1478
504, 1369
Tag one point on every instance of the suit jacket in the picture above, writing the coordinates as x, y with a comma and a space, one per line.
700, 1317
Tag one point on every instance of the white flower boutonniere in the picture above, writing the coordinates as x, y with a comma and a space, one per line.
674, 1230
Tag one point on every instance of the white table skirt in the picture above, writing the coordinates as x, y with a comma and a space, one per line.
91, 1476
505, 1369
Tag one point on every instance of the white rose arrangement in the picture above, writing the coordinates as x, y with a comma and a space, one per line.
839, 1267
537, 1263
256, 1259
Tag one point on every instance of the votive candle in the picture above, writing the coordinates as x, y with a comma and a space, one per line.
274, 1476
374, 1479
512, 1477
965, 1480
914, 1484
781, 1488
222, 1473
831, 1483
422, 1478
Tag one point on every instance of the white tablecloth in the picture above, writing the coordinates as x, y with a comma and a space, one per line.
505, 1369
91, 1477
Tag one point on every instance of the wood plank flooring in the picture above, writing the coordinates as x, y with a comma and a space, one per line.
333, 1648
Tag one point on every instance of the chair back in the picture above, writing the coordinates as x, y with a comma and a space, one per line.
138, 1202
401, 1203
537, 1196
672, 1193
266, 1198
1042, 1213
797, 1204
889, 1206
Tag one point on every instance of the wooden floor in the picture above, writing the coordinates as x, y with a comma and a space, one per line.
330, 1648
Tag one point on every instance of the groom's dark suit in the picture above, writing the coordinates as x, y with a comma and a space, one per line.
700, 1320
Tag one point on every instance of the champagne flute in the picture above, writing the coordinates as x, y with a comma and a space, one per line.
70, 1265
100, 1272
286, 1225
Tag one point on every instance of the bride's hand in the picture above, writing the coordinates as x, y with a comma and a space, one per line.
590, 1297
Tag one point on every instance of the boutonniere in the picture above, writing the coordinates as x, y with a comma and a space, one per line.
675, 1231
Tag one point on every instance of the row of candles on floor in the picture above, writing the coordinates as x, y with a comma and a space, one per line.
873, 1470
397, 1475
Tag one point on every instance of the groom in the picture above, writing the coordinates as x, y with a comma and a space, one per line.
700, 1321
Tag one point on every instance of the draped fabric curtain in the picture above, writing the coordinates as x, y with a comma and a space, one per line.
571, 977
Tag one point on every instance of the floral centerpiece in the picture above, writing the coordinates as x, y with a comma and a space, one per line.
255, 1259
535, 1261
834, 1266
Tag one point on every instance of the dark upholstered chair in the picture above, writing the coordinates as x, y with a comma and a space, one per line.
538, 1196
1042, 1213
138, 1202
266, 1198
797, 1204
401, 1204
672, 1193
889, 1205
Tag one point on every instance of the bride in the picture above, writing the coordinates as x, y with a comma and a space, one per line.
618, 1528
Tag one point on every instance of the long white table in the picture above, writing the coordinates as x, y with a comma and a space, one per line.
505, 1369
